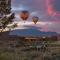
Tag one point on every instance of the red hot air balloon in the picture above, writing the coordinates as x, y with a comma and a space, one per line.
35, 19
24, 15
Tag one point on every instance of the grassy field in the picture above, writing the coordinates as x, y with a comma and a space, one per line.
15, 48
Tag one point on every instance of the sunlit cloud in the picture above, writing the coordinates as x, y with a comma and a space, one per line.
49, 18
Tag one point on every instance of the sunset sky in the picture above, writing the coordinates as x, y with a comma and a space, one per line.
48, 12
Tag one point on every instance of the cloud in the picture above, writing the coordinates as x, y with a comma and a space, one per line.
53, 7
46, 10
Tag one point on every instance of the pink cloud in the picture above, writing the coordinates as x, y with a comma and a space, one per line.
50, 8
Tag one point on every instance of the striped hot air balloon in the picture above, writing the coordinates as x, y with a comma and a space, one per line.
35, 19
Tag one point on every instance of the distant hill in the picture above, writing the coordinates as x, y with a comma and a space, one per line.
31, 32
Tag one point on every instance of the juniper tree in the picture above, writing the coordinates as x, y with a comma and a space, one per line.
6, 17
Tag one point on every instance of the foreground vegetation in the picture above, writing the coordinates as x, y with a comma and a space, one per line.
17, 48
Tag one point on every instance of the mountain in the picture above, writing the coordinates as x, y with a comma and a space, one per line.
31, 32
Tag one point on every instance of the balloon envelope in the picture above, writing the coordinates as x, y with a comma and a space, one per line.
24, 15
35, 19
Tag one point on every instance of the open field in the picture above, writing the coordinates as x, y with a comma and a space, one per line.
17, 48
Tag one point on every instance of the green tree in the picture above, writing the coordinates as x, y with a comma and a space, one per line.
5, 21
6, 17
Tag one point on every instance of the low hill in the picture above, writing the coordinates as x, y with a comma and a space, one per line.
32, 32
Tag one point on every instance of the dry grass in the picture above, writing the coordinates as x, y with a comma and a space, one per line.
15, 48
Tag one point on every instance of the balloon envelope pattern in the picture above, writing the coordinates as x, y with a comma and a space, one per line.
35, 19
24, 15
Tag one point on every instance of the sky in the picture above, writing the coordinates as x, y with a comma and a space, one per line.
48, 12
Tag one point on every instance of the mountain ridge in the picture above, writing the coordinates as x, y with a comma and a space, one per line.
32, 32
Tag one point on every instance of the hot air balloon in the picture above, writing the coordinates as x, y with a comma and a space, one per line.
35, 19
24, 15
